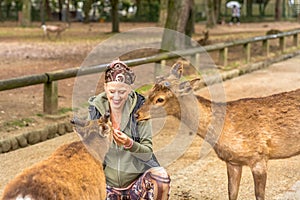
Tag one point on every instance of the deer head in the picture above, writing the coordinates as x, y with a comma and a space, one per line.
95, 134
165, 96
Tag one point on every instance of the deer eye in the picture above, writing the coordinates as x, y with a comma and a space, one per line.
159, 100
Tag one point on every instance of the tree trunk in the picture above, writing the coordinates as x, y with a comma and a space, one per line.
8, 6
217, 9
86, 9
60, 8
138, 9
189, 28
42, 11
163, 12
278, 10
169, 37
68, 12
26, 13
180, 19
1, 17
115, 15
249, 8
48, 9
210, 14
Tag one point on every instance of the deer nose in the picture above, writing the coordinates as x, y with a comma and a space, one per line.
136, 115
77, 121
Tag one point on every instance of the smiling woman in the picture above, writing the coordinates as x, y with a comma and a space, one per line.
131, 169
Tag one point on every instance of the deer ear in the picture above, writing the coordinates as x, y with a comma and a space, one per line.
159, 79
197, 83
185, 88
177, 69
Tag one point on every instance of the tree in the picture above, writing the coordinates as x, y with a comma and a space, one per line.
1, 17
115, 15
87, 4
249, 8
67, 11
180, 19
217, 9
163, 12
60, 8
48, 9
42, 11
138, 13
262, 6
211, 20
278, 10
26, 13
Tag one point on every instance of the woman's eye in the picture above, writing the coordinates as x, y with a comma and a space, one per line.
159, 100
112, 91
122, 92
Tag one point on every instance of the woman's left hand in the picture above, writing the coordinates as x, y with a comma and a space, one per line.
121, 138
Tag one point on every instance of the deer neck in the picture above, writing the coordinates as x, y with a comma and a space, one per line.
97, 149
203, 117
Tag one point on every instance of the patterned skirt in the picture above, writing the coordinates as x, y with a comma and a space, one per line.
154, 184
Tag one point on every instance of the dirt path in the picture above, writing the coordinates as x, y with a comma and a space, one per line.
193, 178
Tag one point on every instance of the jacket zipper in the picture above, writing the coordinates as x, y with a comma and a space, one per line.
119, 163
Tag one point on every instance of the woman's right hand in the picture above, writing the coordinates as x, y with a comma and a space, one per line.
121, 138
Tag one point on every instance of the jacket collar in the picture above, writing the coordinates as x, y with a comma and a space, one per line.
102, 105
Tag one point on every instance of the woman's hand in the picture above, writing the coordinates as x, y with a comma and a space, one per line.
122, 139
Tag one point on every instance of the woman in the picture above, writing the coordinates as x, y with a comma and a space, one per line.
131, 170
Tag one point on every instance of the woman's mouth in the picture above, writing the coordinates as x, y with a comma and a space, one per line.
116, 102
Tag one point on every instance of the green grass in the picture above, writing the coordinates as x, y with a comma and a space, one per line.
143, 89
64, 110
19, 123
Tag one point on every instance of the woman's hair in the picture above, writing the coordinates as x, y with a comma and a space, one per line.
118, 71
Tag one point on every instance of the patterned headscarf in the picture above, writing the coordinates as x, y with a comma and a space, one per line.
118, 71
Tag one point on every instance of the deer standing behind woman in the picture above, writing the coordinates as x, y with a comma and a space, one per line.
73, 172
53, 29
254, 130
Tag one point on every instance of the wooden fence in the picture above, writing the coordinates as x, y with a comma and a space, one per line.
49, 79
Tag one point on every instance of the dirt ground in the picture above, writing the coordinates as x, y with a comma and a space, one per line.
193, 177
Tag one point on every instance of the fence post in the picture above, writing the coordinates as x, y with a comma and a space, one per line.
282, 44
266, 47
247, 48
223, 56
295, 40
50, 97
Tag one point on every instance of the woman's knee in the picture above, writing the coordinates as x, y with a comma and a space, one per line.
159, 172
160, 181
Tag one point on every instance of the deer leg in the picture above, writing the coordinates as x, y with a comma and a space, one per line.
48, 36
259, 172
234, 173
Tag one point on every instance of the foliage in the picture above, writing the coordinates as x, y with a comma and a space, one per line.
19, 122
143, 89
64, 110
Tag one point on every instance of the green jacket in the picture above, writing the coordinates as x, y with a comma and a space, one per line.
122, 166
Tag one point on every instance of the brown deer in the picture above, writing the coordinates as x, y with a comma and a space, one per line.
53, 29
74, 171
254, 130
204, 41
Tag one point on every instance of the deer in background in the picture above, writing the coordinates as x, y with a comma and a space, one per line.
254, 130
74, 171
53, 29
204, 41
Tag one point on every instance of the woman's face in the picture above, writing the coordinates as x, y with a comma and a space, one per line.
117, 94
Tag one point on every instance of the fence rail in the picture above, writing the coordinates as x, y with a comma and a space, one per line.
50, 79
